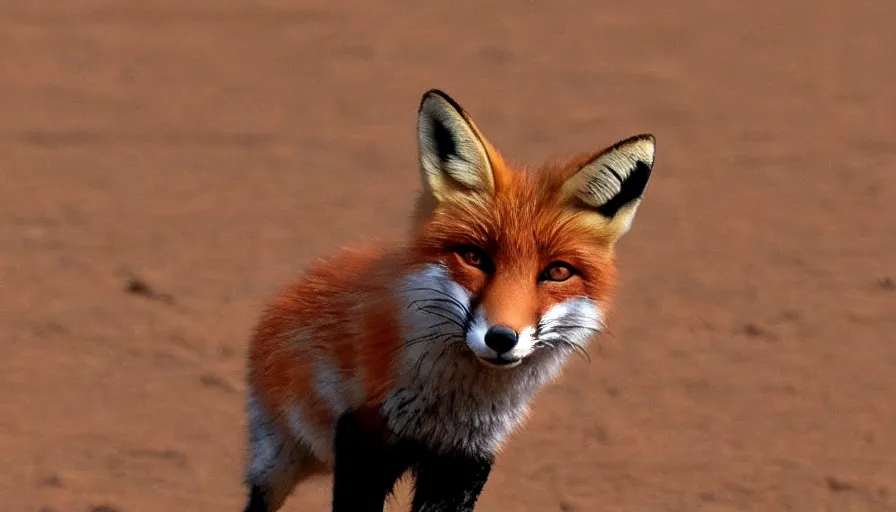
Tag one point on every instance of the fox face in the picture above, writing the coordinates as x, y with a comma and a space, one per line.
518, 263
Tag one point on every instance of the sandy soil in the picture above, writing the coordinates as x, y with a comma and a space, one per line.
167, 164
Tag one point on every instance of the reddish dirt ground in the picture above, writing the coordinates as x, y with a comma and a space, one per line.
211, 150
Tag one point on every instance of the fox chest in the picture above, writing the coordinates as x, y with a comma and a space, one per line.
451, 405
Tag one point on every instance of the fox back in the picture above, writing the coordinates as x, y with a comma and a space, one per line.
441, 341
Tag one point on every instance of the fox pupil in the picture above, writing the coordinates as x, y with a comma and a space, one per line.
558, 272
473, 258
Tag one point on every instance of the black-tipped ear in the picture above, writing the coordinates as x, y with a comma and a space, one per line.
613, 183
452, 151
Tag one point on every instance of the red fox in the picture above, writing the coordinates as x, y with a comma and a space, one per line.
424, 356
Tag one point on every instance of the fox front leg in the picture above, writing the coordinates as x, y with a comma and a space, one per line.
450, 483
366, 466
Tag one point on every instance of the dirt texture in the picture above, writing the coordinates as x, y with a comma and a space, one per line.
166, 165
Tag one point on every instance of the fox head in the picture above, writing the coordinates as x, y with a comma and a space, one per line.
517, 262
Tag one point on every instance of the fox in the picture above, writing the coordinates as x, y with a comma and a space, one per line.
423, 356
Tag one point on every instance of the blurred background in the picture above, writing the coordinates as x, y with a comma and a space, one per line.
166, 165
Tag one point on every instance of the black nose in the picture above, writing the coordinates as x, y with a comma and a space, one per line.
500, 339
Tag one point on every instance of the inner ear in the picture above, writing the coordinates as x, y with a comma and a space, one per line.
453, 154
631, 188
615, 178
444, 142
612, 184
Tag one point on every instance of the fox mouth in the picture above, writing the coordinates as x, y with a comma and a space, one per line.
500, 362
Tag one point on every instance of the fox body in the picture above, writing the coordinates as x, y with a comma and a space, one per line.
424, 356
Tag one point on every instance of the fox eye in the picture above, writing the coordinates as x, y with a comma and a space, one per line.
475, 257
557, 271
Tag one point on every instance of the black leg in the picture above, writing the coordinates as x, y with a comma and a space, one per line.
366, 467
257, 502
450, 483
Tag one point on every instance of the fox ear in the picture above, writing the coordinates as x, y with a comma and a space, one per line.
453, 153
612, 183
